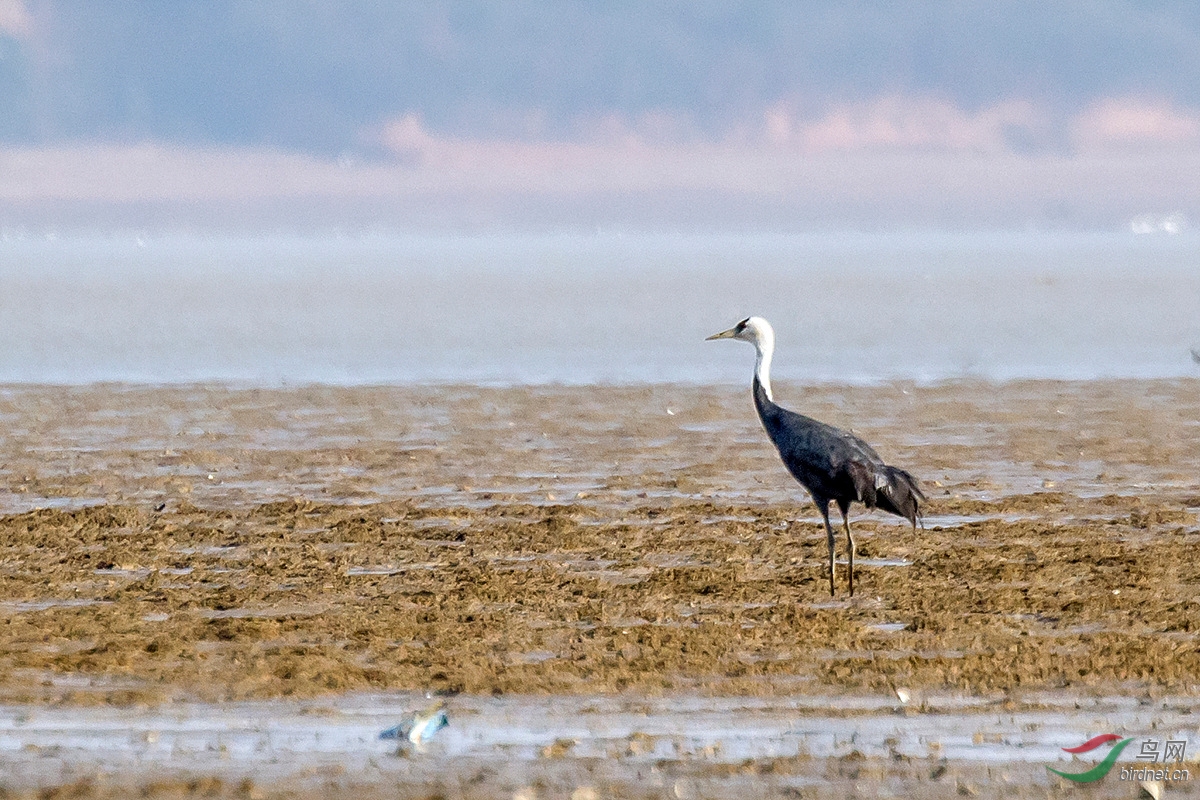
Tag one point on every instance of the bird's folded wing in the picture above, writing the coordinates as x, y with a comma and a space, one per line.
865, 485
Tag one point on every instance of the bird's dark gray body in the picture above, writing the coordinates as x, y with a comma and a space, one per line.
833, 464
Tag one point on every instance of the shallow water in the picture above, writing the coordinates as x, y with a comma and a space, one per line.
604, 308
518, 741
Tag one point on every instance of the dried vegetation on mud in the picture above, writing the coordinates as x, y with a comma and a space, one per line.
297, 598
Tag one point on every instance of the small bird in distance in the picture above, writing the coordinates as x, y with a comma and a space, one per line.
420, 727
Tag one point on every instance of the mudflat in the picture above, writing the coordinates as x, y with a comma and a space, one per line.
299, 598
204, 544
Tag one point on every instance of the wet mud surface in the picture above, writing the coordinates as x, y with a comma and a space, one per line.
298, 598
193, 545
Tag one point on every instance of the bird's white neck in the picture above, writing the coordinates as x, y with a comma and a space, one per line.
764, 346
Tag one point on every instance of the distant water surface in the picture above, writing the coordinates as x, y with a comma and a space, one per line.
612, 308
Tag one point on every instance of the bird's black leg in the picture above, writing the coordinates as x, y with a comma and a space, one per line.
844, 507
823, 506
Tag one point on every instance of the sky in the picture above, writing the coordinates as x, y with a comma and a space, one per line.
599, 115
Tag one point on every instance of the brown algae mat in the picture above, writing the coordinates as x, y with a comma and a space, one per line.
209, 543
295, 598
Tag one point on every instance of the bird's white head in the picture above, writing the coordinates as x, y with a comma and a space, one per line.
758, 332
755, 330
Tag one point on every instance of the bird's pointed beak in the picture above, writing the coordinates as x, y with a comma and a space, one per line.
729, 334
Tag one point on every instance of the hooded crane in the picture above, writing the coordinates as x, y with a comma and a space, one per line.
830, 463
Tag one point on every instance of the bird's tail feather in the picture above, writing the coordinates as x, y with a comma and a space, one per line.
901, 495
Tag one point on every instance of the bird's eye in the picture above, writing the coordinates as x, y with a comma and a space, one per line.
741, 326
